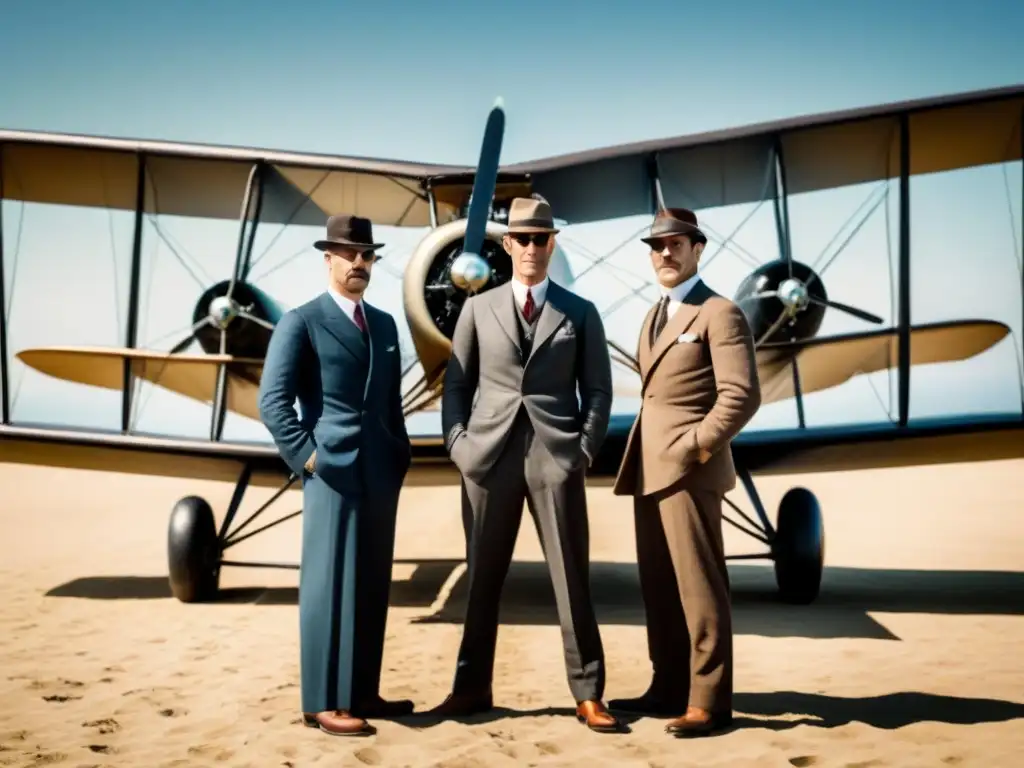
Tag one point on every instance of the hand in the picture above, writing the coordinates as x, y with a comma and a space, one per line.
310, 464
704, 456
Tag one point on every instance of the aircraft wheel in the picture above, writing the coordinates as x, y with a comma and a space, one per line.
799, 547
193, 552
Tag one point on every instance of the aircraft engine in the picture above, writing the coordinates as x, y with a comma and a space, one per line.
786, 301
248, 317
434, 292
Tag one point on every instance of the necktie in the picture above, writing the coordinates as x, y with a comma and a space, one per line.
357, 316
528, 306
660, 318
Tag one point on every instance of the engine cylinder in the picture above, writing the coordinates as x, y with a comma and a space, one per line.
432, 300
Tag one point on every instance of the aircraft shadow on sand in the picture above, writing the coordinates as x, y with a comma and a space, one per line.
843, 609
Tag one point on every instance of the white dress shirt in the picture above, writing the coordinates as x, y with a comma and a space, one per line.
538, 291
677, 293
347, 305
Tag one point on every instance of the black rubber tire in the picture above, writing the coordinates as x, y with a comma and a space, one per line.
799, 547
193, 552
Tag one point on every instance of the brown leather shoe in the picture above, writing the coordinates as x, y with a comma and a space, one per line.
464, 705
382, 708
647, 704
594, 715
338, 723
698, 722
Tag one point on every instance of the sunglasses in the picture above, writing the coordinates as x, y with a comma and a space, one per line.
538, 238
368, 256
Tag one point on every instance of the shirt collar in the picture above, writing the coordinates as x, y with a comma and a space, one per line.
680, 292
347, 305
539, 291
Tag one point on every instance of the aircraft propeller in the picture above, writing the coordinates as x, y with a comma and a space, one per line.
224, 308
470, 271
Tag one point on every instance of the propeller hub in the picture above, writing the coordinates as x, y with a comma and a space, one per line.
794, 295
470, 272
222, 311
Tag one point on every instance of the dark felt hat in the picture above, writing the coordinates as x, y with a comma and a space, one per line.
347, 231
670, 222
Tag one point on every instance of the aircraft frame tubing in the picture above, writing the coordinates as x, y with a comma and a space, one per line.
228, 538
5, 401
761, 529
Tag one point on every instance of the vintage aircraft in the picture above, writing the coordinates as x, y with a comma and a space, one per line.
464, 208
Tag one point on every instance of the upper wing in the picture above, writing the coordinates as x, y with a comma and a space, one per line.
194, 376
207, 181
737, 166
828, 362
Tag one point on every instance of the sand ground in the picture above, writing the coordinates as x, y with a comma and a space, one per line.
910, 657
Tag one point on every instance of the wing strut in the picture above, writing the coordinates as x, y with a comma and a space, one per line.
131, 337
903, 327
5, 406
786, 251
252, 206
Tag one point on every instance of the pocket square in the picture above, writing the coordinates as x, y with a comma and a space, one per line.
687, 338
390, 349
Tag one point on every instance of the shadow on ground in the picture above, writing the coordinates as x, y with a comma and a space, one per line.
843, 608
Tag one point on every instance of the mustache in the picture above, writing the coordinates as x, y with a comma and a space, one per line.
359, 273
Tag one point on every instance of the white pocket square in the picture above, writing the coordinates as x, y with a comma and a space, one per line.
390, 349
687, 338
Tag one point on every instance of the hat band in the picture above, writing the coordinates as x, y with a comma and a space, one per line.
539, 223
671, 227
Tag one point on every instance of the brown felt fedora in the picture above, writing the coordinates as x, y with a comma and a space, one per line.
348, 231
670, 222
529, 215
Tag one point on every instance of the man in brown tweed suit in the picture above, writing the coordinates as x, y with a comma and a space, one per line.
699, 388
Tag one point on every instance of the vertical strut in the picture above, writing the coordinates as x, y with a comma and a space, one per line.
131, 337
786, 252
1021, 129
5, 404
654, 174
903, 327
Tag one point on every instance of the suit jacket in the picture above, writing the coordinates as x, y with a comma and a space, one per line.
699, 388
349, 393
569, 351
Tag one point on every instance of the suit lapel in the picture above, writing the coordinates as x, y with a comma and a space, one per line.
503, 305
644, 347
550, 318
375, 330
676, 325
337, 323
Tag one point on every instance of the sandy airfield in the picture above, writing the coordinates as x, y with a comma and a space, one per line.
911, 657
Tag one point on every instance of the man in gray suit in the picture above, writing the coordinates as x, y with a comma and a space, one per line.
339, 356
523, 348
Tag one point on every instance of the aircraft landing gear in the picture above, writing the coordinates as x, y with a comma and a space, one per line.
195, 548
797, 545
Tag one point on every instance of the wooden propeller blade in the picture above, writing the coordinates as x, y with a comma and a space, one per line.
194, 376
830, 361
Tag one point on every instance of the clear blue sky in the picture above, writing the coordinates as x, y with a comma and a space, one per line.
414, 81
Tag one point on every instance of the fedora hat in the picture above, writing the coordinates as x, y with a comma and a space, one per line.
529, 215
669, 222
348, 231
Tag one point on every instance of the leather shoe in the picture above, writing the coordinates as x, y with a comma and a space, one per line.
339, 722
647, 704
698, 722
464, 705
382, 708
594, 715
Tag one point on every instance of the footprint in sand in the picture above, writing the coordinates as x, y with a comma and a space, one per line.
803, 760
369, 756
105, 725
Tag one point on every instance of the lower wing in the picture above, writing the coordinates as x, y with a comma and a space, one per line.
830, 361
194, 376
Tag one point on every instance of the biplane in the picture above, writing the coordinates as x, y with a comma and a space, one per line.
463, 210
